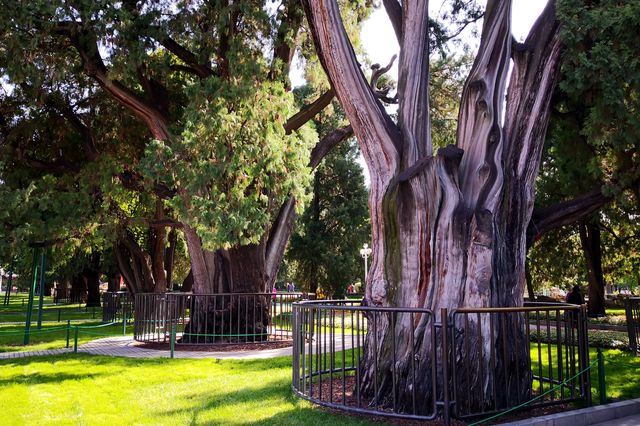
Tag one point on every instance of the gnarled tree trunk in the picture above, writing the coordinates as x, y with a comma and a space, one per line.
449, 230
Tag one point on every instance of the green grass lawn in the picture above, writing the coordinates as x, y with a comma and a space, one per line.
621, 373
83, 389
16, 311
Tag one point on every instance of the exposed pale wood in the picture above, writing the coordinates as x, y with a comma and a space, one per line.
413, 83
443, 225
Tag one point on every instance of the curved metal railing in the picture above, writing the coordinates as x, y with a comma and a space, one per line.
413, 363
207, 319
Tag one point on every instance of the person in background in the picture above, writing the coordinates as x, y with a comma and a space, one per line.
575, 296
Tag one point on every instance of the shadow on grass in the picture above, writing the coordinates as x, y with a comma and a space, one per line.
38, 378
276, 392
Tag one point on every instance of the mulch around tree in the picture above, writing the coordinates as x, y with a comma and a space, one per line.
217, 347
333, 391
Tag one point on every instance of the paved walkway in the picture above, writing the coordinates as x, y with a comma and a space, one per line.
622, 413
125, 346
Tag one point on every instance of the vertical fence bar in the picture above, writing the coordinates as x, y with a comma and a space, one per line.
34, 277
75, 340
68, 332
43, 260
602, 387
444, 316
173, 340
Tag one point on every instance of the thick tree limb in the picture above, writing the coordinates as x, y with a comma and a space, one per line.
377, 135
378, 72
59, 166
134, 181
394, 11
283, 225
226, 35
279, 236
327, 143
479, 129
186, 56
290, 23
564, 213
309, 111
413, 83
86, 44
536, 70
124, 266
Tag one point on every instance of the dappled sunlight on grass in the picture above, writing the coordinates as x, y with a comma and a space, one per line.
85, 389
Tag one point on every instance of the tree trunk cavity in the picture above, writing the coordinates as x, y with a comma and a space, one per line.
448, 230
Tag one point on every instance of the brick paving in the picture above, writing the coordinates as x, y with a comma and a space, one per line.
125, 346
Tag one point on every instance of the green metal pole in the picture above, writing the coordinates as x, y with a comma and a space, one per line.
8, 293
75, 341
59, 313
601, 378
68, 332
124, 324
173, 339
34, 275
43, 259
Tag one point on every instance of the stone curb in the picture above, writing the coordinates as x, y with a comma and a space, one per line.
586, 416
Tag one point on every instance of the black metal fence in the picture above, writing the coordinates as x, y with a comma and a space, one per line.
204, 319
632, 309
70, 297
116, 306
412, 363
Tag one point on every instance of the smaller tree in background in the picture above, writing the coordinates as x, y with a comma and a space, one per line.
323, 252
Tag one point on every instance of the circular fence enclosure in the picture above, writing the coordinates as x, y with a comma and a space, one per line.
214, 319
333, 339
116, 306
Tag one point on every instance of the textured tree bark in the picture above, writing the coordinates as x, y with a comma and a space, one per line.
449, 230
91, 275
78, 289
169, 257
114, 282
143, 272
157, 236
591, 247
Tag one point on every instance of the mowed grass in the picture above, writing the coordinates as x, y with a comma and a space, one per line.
621, 372
16, 311
91, 390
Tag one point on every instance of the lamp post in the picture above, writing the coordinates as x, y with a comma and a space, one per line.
365, 252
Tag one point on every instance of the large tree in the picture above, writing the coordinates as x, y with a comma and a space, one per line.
592, 143
449, 227
205, 110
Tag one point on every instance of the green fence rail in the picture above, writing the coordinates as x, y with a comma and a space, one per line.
77, 330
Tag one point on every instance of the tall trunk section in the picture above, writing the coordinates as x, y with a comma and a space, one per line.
449, 230
238, 270
592, 249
